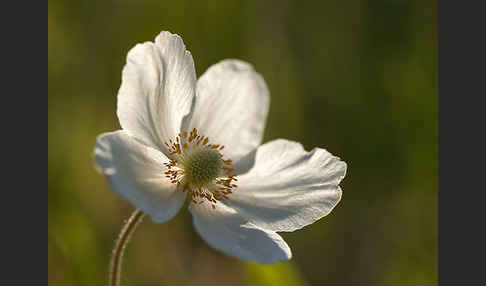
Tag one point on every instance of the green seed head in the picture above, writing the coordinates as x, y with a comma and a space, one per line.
202, 166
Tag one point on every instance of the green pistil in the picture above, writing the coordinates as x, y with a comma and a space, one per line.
202, 166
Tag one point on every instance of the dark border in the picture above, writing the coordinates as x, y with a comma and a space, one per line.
461, 147
24, 119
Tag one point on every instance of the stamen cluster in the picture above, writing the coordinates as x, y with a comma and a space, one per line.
198, 167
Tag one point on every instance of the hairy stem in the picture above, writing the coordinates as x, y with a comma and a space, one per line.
123, 239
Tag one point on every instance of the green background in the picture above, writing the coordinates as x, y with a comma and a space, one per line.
358, 78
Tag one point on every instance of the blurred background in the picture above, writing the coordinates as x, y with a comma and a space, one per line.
358, 78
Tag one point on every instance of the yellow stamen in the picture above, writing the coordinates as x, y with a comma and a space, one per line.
199, 169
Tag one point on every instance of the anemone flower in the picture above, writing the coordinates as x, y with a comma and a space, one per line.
200, 139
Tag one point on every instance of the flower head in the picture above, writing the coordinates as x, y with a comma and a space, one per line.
183, 137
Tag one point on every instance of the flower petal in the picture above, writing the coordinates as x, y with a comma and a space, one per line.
288, 188
136, 172
157, 90
231, 107
225, 230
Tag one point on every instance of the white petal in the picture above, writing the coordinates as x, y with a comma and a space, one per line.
288, 188
231, 107
225, 230
157, 90
136, 172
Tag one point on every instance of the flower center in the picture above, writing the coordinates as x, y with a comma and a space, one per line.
202, 166
199, 168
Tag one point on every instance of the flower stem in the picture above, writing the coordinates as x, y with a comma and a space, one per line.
123, 239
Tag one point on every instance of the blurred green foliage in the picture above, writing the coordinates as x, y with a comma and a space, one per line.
358, 78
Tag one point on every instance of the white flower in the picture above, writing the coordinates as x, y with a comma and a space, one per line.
201, 139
